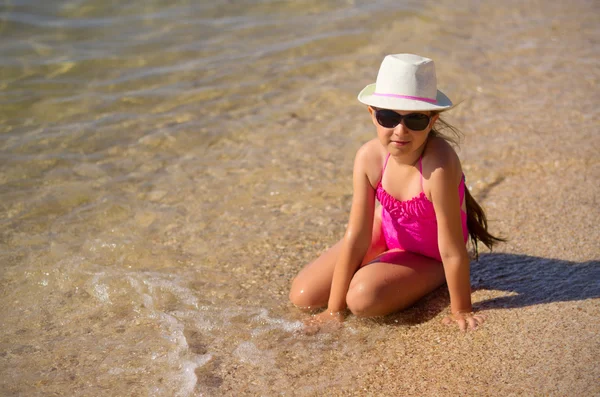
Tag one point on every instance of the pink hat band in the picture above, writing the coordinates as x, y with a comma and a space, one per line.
416, 98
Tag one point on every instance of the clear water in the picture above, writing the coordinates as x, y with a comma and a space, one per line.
167, 167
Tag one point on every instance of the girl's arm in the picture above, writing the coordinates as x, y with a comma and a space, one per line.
357, 238
444, 182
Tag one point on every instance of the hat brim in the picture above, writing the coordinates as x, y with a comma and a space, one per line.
385, 102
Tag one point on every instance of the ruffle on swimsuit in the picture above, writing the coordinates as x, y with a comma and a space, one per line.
411, 225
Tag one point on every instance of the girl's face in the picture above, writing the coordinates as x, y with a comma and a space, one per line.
402, 132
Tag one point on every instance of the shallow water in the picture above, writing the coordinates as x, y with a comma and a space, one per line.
166, 169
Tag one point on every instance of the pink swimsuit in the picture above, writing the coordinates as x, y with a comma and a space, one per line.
411, 225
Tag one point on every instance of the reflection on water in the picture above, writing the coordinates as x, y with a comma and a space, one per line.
166, 168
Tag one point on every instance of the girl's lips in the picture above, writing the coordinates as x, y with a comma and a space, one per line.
400, 143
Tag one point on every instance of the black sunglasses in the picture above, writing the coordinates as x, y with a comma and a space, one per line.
413, 121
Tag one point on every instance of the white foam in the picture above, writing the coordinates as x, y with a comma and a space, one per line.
181, 358
97, 289
166, 301
184, 295
189, 373
247, 352
273, 323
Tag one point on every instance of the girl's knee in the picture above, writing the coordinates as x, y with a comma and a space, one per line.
362, 299
301, 297
298, 297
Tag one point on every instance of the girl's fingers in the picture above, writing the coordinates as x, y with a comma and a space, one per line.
323, 322
480, 318
462, 324
465, 321
310, 329
311, 326
472, 322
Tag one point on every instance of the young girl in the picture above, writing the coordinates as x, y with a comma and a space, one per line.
393, 255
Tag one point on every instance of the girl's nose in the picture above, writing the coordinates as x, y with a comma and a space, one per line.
400, 129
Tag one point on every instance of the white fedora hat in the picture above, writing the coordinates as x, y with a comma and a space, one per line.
405, 82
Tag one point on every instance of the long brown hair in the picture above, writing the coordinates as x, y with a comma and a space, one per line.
476, 218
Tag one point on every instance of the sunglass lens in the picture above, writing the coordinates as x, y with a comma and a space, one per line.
388, 118
416, 121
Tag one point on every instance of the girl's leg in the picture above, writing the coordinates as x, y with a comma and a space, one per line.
393, 282
310, 289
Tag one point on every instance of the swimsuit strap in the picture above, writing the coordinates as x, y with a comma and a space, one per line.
385, 165
461, 189
383, 170
421, 171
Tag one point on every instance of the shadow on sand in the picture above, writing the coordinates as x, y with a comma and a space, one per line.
534, 280
530, 280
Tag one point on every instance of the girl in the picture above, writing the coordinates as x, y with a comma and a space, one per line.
392, 256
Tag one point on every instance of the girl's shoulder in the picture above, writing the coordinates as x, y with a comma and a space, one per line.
370, 159
440, 157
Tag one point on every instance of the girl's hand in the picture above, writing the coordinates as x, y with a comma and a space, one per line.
464, 320
325, 321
